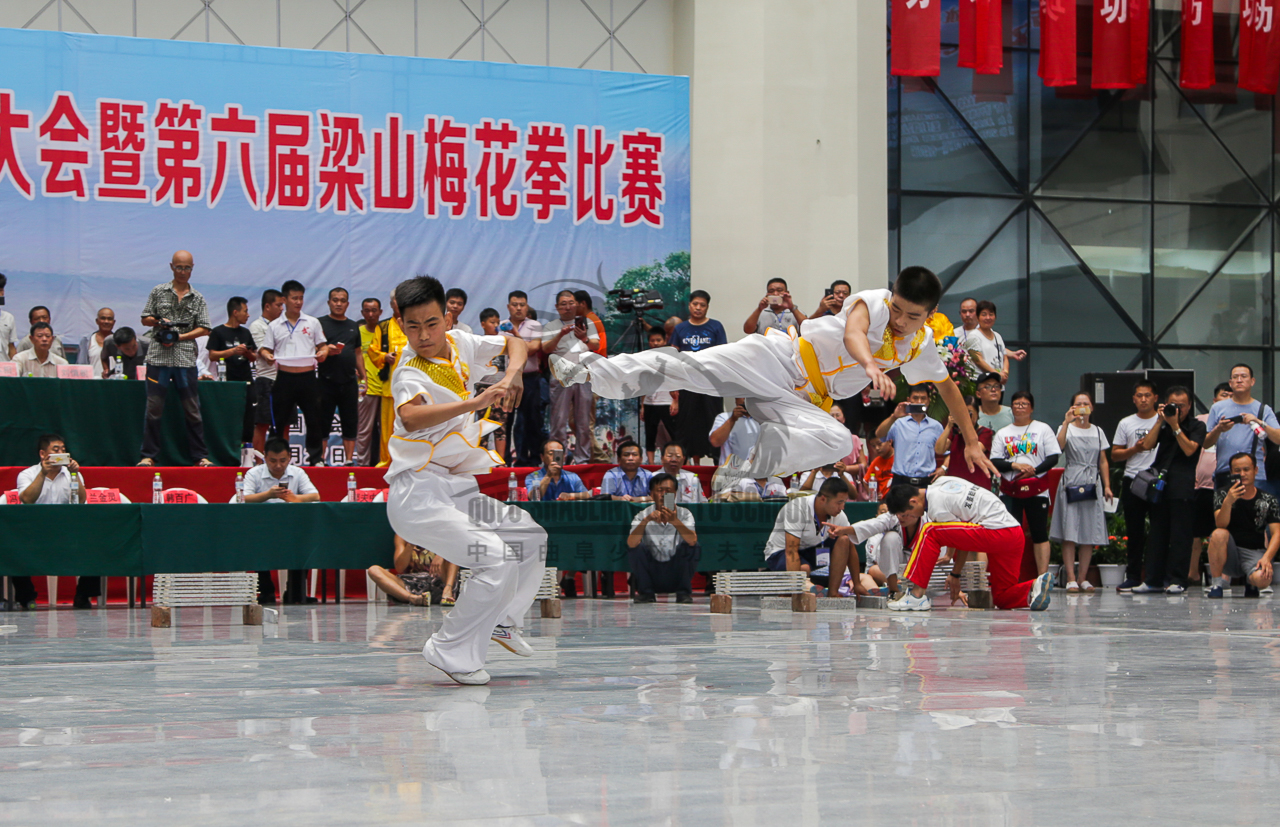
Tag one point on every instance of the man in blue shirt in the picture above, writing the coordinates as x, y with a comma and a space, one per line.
913, 436
1231, 424
551, 481
628, 482
697, 411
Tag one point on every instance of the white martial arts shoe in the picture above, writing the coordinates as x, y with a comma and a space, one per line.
512, 641
910, 603
567, 370
1041, 590
477, 678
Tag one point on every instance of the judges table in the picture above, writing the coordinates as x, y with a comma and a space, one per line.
102, 420
141, 539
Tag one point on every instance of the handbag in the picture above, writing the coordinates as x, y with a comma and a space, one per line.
1089, 491
1148, 484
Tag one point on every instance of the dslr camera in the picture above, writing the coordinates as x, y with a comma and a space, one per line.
166, 334
636, 300
1170, 409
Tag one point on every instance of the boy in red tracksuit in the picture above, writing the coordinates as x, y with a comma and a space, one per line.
962, 516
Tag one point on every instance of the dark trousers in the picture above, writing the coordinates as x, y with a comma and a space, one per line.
159, 380
530, 432
344, 397
24, 589
1169, 543
650, 576
655, 415
1136, 511
299, 391
250, 412
294, 594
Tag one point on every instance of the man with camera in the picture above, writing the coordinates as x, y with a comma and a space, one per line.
551, 481
663, 546
1177, 438
179, 316
49, 483
913, 435
1242, 424
1247, 536
571, 332
776, 311
277, 481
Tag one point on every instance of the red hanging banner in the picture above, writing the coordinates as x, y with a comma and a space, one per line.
1058, 42
1259, 47
1197, 70
981, 36
1112, 45
1139, 40
915, 38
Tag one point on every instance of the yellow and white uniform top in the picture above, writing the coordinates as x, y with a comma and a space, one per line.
453, 446
916, 355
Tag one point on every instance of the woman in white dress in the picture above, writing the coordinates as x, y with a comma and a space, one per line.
1081, 524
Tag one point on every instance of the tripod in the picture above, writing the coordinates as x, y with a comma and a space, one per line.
633, 335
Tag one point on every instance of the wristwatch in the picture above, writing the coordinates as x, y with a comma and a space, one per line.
953, 574
1177, 432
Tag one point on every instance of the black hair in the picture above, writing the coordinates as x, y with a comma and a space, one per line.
233, 303
1023, 395
547, 442
833, 487
1085, 394
683, 452
40, 326
340, 290
987, 305
841, 281
659, 478
898, 500
4, 281
700, 294
1241, 365
776, 280
48, 439
923, 387
517, 294
583, 297
373, 299
123, 336
33, 310
1144, 383
417, 291
292, 286
489, 313
624, 445
918, 285
456, 293
657, 331
1245, 455
968, 299
568, 293
1175, 390
275, 445
1222, 386
269, 296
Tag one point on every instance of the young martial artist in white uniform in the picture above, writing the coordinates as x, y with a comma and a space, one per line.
790, 381
434, 501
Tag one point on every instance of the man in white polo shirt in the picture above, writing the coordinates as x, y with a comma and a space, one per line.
803, 535
296, 343
47, 483
277, 481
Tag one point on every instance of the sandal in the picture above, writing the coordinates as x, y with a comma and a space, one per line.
1073, 587
147, 461
205, 463
1086, 586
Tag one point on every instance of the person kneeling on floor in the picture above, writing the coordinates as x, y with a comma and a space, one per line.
804, 538
664, 545
1247, 536
419, 576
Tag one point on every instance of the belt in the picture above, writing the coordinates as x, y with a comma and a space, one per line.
819, 395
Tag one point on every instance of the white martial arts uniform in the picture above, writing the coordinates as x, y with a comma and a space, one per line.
769, 372
434, 502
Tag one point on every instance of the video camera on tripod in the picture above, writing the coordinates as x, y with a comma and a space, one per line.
636, 300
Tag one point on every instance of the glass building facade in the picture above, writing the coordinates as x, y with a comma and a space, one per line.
1114, 230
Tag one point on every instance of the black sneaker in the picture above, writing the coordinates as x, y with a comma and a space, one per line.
647, 598
81, 602
1251, 590
684, 597
1128, 586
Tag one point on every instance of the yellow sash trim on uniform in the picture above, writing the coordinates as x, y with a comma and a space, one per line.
446, 376
819, 395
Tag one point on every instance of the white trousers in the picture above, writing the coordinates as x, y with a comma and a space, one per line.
501, 544
795, 434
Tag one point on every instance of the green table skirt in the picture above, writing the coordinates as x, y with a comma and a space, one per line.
102, 420
143, 539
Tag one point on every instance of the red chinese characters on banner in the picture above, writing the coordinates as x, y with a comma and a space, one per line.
546, 172
288, 167
914, 35
497, 170
122, 138
1197, 68
66, 155
1058, 42
394, 172
1112, 68
592, 156
13, 120
344, 149
1259, 47
178, 153
444, 172
981, 36
643, 187
232, 127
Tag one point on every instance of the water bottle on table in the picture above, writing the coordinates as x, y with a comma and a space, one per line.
240, 486
157, 490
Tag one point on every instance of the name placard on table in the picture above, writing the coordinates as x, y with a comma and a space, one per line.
74, 371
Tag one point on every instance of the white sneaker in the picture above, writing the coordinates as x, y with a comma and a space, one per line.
1041, 591
910, 603
477, 678
1267, 590
1143, 588
1174, 588
568, 371
512, 641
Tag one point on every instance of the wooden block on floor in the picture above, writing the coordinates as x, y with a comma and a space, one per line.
980, 599
873, 601
551, 607
253, 615
806, 602
721, 604
161, 617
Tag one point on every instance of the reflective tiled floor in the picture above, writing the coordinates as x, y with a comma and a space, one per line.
1102, 709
